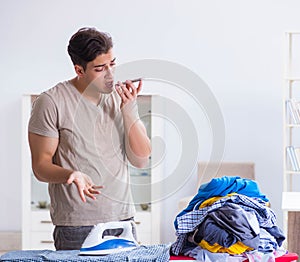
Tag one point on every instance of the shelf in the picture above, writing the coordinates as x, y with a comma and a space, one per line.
293, 125
290, 201
293, 32
292, 172
292, 78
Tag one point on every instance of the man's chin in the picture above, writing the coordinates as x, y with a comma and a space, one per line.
103, 89
106, 91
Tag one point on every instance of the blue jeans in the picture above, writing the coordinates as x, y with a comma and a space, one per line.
72, 237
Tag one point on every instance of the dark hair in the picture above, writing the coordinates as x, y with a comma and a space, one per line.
86, 44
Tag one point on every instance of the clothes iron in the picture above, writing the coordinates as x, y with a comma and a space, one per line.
108, 238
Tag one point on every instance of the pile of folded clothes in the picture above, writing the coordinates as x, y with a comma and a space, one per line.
229, 218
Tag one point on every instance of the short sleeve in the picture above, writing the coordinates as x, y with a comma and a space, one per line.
44, 117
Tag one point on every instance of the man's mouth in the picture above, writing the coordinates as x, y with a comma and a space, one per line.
109, 84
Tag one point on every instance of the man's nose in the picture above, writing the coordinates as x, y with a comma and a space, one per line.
109, 72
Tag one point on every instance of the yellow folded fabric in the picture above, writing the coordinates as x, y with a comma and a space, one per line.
212, 200
236, 249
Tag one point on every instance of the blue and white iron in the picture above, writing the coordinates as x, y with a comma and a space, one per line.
108, 238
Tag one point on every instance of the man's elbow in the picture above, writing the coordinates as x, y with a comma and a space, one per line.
140, 162
36, 169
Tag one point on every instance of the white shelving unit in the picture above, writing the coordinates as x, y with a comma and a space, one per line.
37, 227
291, 134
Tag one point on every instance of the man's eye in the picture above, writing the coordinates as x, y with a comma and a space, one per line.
112, 64
100, 69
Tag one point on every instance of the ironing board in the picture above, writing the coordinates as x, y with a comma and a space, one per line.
159, 253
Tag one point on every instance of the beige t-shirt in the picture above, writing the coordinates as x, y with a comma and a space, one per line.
91, 140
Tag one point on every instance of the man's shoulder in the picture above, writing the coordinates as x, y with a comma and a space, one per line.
57, 91
54, 96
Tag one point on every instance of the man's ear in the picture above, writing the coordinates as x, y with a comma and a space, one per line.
79, 70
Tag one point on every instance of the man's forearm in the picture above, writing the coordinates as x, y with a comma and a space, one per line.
138, 145
51, 173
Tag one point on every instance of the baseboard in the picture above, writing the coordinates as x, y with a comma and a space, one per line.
10, 240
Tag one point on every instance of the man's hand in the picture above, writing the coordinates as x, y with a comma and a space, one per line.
84, 185
128, 92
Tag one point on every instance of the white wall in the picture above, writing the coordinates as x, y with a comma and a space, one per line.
235, 46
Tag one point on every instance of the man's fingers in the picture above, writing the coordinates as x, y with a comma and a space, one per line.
97, 187
89, 194
119, 88
94, 191
125, 89
134, 90
128, 91
139, 86
79, 188
82, 196
85, 185
120, 92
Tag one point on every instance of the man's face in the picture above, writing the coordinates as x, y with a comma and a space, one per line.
99, 73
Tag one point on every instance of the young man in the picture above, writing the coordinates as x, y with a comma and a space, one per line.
82, 132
